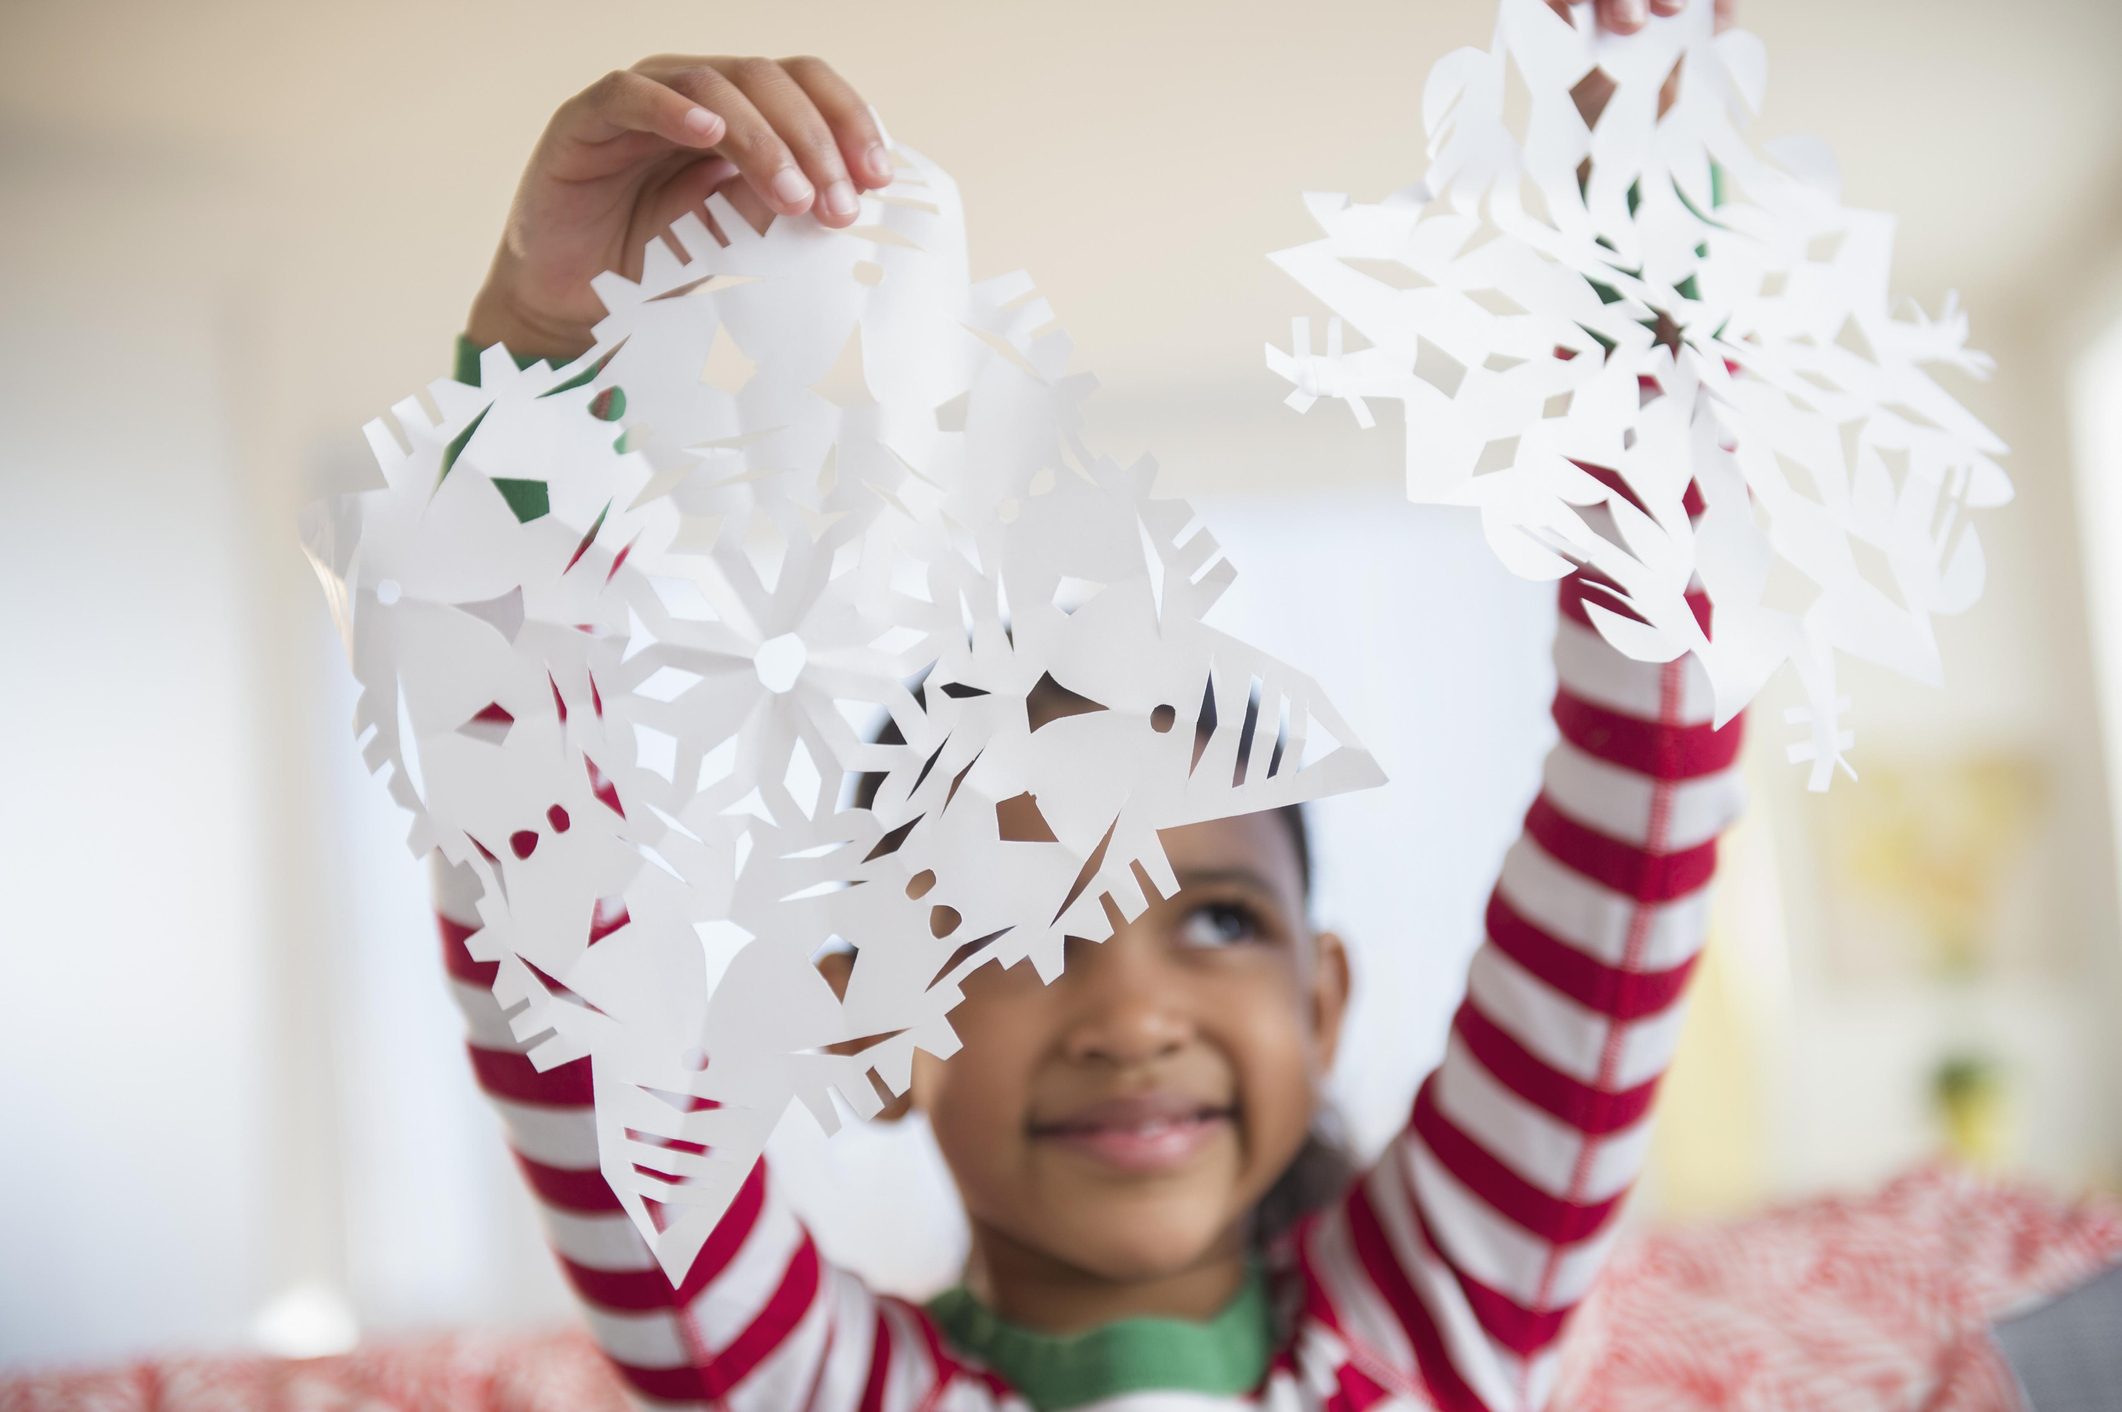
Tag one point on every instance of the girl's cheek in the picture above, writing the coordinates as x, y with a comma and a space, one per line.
983, 1083
1278, 1051
991, 1021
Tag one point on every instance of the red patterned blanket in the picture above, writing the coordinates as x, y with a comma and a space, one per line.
1876, 1301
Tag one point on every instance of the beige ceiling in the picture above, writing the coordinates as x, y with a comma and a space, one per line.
1139, 158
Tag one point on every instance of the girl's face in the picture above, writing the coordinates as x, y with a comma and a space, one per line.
1124, 1121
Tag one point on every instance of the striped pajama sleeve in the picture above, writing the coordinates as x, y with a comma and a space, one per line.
1460, 1255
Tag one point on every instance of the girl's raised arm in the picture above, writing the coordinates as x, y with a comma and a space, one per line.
1461, 1254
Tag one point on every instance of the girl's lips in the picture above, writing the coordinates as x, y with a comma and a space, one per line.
1146, 1142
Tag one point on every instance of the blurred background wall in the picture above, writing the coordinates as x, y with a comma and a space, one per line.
234, 1111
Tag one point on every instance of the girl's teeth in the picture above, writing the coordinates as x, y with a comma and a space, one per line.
1156, 1127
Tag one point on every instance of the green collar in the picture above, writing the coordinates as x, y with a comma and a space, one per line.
1226, 1354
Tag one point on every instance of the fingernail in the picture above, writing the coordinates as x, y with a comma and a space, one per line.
790, 187
880, 165
840, 199
1632, 12
702, 122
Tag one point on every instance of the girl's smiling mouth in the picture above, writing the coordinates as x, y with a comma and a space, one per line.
1146, 1133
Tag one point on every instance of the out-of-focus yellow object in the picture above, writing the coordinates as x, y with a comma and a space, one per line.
1709, 1149
1974, 1100
1916, 860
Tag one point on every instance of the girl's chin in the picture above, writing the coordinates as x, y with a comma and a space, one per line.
1136, 1240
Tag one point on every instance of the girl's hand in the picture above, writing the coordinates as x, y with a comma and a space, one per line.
1628, 16
639, 148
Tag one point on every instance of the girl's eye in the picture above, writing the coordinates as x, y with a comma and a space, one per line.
1219, 924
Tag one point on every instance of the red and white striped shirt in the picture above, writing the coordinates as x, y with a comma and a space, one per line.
1444, 1277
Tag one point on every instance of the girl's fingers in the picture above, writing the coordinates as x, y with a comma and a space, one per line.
750, 140
689, 190
1624, 16
624, 101
715, 170
749, 205
1628, 16
796, 121
707, 176
853, 126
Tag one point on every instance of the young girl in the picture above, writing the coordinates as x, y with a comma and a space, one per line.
1153, 1221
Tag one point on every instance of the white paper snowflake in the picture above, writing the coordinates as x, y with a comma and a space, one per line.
1653, 297
626, 670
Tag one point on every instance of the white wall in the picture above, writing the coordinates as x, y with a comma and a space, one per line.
2096, 420
134, 1126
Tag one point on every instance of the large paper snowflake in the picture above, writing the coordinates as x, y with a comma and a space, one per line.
1645, 313
626, 631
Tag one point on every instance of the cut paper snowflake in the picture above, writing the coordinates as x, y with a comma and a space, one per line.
627, 632
1640, 345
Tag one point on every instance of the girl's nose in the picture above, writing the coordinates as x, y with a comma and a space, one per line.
1130, 1031
1127, 1011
